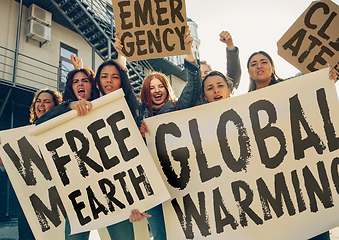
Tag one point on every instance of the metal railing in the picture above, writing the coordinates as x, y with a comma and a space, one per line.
101, 10
31, 73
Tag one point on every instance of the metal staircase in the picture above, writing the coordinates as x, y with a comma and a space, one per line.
93, 20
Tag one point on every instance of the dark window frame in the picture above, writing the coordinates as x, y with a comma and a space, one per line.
61, 84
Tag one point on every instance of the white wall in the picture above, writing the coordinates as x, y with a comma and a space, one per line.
48, 53
177, 84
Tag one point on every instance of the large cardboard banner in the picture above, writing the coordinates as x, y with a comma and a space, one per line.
313, 40
150, 28
263, 165
100, 164
33, 184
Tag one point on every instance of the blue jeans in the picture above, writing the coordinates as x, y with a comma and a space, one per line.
122, 230
323, 236
157, 223
25, 232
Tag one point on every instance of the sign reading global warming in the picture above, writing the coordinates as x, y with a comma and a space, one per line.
259, 166
150, 28
312, 42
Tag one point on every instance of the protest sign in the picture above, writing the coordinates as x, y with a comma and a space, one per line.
100, 164
263, 165
313, 40
33, 184
150, 28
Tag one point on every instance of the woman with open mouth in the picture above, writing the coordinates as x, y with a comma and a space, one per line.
79, 91
82, 86
262, 74
157, 97
43, 101
216, 86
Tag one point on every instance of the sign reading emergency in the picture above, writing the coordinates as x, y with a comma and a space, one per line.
150, 28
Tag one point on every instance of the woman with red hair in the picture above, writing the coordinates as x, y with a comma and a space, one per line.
157, 97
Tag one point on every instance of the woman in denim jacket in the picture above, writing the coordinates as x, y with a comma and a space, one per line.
157, 97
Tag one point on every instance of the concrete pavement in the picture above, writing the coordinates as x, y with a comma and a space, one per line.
9, 231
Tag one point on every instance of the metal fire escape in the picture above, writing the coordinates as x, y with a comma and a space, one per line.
93, 20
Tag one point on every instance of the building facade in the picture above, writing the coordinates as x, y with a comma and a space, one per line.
36, 40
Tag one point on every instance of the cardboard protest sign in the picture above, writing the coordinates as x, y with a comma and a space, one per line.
313, 40
100, 164
263, 165
33, 184
150, 28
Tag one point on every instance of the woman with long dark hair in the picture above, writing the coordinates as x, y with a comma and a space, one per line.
262, 71
112, 76
80, 90
262, 74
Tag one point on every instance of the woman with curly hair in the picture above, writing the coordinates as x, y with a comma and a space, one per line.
44, 100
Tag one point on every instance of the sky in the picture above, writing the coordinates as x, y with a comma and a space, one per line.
254, 25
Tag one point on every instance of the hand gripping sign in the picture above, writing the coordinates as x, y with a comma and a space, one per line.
313, 40
150, 28
100, 164
263, 165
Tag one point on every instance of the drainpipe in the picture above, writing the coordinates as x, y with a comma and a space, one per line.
17, 44
109, 49
93, 59
8, 183
5, 102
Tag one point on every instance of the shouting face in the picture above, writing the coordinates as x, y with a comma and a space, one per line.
215, 89
82, 87
158, 92
44, 102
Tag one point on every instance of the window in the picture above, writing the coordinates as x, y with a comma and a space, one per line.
65, 64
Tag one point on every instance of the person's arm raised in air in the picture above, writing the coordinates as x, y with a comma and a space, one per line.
77, 62
118, 46
192, 91
232, 57
188, 40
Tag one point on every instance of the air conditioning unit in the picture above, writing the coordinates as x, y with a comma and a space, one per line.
38, 31
40, 15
